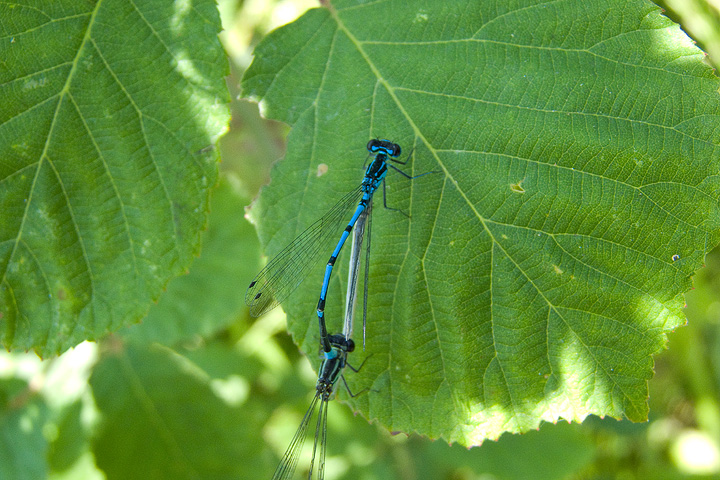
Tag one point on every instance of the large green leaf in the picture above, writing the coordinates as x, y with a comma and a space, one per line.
541, 270
160, 418
104, 175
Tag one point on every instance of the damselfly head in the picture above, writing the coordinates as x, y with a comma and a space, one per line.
386, 146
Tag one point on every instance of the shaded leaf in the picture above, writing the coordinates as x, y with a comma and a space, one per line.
552, 452
23, 446
161, 419
71, 442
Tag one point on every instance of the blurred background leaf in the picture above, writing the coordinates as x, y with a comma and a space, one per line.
23, 415
162, 419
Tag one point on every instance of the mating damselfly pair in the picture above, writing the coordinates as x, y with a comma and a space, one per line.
284, 273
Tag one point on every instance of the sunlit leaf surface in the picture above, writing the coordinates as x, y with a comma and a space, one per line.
108, 109
541, 269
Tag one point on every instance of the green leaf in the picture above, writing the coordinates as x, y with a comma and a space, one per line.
22, 418
208, 298
71, 442
161, 419
551, 453
104, 177
542, 269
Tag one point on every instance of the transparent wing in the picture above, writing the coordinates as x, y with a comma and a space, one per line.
367, 276
320, 437
285, 470
354, 270
289, 268
322, 426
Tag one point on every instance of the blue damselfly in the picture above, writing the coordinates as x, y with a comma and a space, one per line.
284, 273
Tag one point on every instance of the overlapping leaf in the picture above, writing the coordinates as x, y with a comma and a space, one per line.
107, 110
541, 270
208, 298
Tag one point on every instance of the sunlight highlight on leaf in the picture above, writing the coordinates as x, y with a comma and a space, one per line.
103, 195
535, 278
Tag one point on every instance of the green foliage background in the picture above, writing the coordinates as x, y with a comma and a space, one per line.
107, 409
